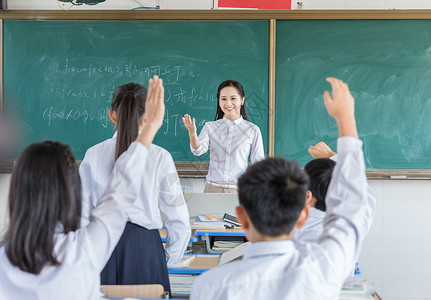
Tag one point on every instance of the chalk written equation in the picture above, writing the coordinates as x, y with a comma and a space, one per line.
92, 110
171, 122
169, 73
71, 99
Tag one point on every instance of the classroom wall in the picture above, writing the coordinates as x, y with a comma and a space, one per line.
111, 4
395, 254
208, 4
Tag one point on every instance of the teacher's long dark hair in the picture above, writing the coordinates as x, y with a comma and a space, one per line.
128, 103
240, 89
45, 193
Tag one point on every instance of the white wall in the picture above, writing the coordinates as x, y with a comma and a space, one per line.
395, 256
111, 4
207, 4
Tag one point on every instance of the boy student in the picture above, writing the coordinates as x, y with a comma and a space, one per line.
272, 196
319, 171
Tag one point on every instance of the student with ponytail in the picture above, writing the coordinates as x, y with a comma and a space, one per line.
45, 254
231, 137
139, 257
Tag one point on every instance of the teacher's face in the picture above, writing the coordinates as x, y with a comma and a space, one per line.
230, 102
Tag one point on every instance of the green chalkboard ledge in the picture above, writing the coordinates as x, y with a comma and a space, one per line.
200, 170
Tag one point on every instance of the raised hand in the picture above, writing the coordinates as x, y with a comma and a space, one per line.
154, 111
190, 124
341, 106
321, 150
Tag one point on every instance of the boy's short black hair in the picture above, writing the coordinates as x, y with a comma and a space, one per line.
320, 173
273, 192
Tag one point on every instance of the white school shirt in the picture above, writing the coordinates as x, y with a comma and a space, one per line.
230, 143
281, 270
83, 253
161, 190
313, 227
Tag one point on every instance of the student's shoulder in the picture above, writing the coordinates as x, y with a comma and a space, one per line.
161, 156
104, 149
109, 143
159, 151
222, 277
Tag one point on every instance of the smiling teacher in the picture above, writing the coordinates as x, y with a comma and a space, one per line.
231, 137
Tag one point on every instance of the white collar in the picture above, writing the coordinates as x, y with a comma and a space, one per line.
270, 248
236, 122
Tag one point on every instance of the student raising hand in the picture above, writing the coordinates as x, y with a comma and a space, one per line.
154, 111
341, 106
138, 114
321, 150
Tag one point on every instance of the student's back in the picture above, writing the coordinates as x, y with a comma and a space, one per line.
272, 205
154, 193
45, 254
76, 278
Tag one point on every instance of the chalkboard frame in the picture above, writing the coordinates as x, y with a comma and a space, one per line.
194, 169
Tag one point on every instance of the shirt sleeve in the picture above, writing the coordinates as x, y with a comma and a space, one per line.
87, 190
371, 207
109, 217
172, 204
348, 211
257, 153
204, 140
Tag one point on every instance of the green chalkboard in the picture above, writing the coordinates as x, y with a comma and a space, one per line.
59, 76
387, 64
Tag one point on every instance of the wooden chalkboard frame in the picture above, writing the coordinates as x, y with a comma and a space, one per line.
197, 169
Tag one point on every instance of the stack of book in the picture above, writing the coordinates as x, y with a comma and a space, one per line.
181, 284
356, 288
226, 243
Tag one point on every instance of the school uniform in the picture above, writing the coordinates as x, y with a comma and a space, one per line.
281, 270
139, 257
230, 143
82, 254
313, 227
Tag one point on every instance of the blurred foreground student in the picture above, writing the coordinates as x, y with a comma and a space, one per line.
139, 257
272, 204
231, 138
319, 171
45, 255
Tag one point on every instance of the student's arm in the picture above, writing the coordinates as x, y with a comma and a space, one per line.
321, 150
172, 204
109, 217
204, 140
87, 190
257, 153
347, 205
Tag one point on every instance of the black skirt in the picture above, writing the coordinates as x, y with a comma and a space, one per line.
138, 258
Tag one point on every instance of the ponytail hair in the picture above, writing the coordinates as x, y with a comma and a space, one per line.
240, 89
44, 199
128, 103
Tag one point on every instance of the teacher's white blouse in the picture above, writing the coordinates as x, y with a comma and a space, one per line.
231, 143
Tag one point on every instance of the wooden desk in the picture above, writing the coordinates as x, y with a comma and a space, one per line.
200, 264
163, 233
